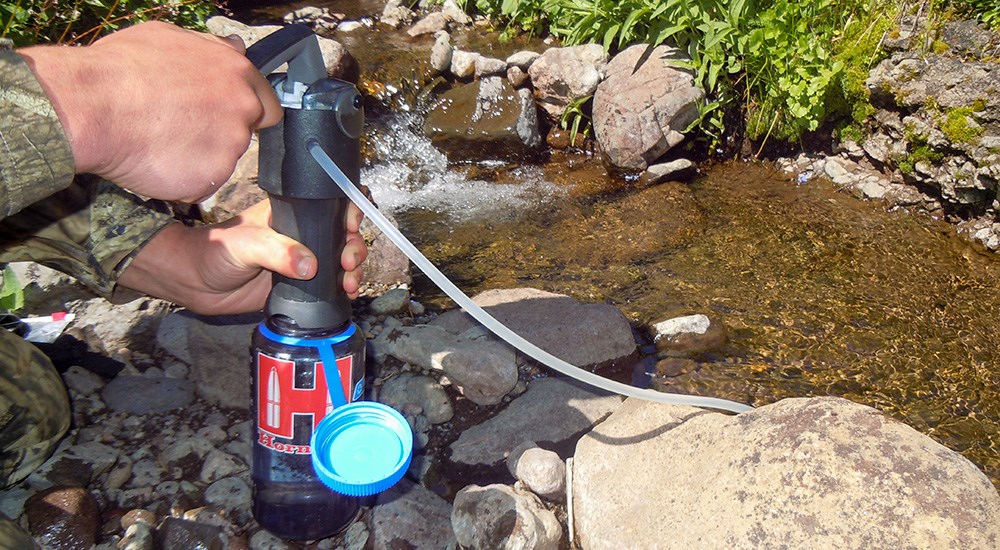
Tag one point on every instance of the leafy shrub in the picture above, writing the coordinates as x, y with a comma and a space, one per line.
987, 11
83, 21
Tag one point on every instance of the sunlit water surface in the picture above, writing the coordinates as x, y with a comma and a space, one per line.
822, 294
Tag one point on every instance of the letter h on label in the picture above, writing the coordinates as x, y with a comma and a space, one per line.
282, 398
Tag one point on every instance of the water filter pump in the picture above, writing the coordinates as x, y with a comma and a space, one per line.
318, 447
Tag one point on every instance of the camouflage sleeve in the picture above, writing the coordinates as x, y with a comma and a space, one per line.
90, 230
35, 157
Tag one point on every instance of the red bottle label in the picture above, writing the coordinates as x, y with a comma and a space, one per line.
291, 400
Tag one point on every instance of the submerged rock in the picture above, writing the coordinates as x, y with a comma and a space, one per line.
486, 117
810, 473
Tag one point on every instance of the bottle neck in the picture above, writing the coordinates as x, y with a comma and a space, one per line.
283, 325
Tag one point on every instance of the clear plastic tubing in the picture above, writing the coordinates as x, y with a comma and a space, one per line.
488, 320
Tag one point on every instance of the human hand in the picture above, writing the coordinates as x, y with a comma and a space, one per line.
225, 268
159, 110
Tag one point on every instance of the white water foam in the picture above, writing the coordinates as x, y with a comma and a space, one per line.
409, 173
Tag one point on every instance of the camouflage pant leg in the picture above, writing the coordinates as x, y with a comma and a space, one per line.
34, 408
12, 537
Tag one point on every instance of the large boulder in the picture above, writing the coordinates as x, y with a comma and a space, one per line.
643, 106
486, 117
561, 76
801, 473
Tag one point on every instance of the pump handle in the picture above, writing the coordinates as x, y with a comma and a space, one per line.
296, 45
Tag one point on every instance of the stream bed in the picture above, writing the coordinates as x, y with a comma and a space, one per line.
821, 293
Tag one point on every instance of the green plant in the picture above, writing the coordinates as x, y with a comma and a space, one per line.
28, 22
959, 126
11, 294
987, 11
576, 115
710, 32
520, 15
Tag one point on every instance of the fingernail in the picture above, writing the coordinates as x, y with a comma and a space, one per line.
303, 267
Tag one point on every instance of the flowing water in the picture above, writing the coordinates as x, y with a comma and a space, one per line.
822, 294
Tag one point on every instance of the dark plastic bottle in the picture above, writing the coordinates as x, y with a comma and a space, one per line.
289, 396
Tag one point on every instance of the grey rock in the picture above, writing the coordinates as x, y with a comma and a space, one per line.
582, 334
643, 106
336, 57
483, 371
563, 75
219, 465
691, 333
120, 473
409, 390
434, 22
82, 381
408, 514
145, 473
489, 66
118, 326
217, 349
396, 14
232, 494
74, 465
517, 77
392, 302
678, 169
543, 472
262, 540
817, 473
498, 516
185, 454
463, 63
578, 408
441, 53
522, 59
970, 38
454, 13
144, 395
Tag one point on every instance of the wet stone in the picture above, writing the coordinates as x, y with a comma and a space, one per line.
180, 534
63, 517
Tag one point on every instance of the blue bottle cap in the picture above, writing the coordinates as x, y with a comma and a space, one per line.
362, 448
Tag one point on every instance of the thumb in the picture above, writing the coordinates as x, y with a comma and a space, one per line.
263, 248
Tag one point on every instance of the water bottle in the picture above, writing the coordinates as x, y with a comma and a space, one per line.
290, 396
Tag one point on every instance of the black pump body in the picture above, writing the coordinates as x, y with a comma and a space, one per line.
306, 204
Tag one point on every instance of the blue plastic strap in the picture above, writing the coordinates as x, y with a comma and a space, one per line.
326, 355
